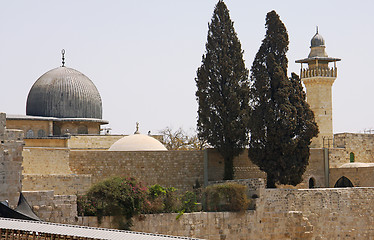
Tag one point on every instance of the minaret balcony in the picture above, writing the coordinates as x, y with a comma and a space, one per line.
319, 72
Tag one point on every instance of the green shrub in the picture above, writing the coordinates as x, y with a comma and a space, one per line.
226, 197
85, 206
119, 197
189, 202
161, 199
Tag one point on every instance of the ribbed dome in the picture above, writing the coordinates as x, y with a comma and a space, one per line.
317, 41
137, 142
64, 93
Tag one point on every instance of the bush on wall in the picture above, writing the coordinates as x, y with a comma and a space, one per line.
120, 197
161, 200
226, 197
124, 198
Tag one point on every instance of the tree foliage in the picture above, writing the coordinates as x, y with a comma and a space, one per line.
181, 140
120, 197
281, 123
222, 90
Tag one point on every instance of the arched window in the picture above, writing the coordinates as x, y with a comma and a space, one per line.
312, 183
30, 134
351, 157
82, 129
41, 133
343, 182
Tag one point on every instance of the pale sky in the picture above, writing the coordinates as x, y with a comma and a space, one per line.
143, 55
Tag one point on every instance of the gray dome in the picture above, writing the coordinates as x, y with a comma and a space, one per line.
317, 41
64, 93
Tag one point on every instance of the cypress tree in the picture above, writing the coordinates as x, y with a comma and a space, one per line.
281, 123
223, 91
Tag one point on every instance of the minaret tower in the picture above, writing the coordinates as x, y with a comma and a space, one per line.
318, 79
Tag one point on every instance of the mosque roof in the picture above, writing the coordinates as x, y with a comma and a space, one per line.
64, 93
138, 142
55, 119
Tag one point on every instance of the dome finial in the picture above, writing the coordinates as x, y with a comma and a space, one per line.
137, 128
317, 29
63, 57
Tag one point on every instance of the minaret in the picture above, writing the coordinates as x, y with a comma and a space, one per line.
318, 79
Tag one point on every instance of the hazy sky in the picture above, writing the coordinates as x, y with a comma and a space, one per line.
143, 55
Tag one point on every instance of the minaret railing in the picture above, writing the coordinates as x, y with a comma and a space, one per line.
319, 72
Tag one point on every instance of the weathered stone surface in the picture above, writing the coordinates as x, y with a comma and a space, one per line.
179, 169
11, 144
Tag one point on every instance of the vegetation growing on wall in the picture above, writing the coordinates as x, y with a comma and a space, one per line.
124, 198
226, 197
161, 200
116, 196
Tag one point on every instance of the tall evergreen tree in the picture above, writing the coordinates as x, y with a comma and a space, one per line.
281, 123
222, 90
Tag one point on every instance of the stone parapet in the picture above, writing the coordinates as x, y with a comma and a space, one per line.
321, 71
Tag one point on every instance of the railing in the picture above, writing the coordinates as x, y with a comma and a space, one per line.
319, 72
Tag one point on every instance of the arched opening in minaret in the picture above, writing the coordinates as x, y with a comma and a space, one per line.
312, 182
343, 182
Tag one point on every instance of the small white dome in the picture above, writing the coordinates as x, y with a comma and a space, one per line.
138, 142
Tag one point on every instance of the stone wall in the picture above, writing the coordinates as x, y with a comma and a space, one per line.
228, 225
178, 169
360, 177
66, 184
362, 145
338, 157
315, 170
245, 169
97, 142
339, 213
48, 169
280, 214
44, 160
11, 144
53, 208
